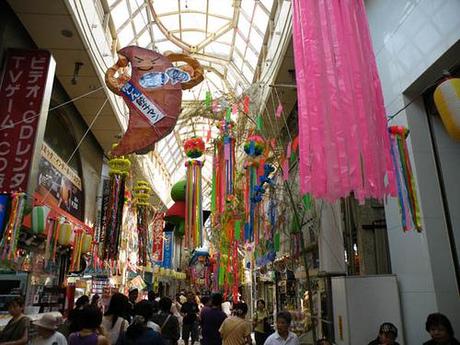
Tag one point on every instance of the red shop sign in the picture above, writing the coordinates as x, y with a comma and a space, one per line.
21, 98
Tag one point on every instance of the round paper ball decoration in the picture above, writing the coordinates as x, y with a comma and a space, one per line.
254, 145
447, 101
194, 147
178, 190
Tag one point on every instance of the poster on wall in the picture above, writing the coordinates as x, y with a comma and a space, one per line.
22, 96
61, 182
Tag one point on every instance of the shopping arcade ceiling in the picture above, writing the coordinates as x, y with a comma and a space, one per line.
226, 36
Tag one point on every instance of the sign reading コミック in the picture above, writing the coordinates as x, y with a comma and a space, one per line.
22, 91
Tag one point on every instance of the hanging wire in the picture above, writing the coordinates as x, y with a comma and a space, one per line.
51, 109
81, 141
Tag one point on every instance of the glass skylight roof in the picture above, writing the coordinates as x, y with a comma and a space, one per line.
227, 40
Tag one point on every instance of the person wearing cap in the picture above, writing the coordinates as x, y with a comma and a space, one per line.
47, 331
387, 335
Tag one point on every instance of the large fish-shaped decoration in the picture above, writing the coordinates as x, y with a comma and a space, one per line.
153, 94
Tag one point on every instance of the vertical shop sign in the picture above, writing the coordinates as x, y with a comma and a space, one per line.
168, 249
157, 231
24, 96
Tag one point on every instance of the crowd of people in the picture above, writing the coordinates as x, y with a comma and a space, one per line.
163, 321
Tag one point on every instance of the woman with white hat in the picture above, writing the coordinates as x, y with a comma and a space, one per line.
47, 331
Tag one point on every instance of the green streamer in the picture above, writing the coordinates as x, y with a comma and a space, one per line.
293, 157
259, 122
208, 99
238, 230
228, 115
307, 201
277, 242
221, 275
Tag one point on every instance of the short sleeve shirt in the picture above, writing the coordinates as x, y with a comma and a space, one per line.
57, 339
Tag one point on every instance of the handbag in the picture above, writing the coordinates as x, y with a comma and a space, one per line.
268, 328
166, 340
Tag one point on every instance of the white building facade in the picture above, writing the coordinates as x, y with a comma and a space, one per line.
414, 41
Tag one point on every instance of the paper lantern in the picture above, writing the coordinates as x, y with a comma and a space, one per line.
254, 145
65, 234
39, 219
86, 244
447, 101
194, 147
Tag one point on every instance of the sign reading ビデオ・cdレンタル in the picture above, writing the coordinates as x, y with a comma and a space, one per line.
21, 98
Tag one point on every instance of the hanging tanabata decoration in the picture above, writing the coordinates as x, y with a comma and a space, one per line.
4, 205
110, 236
194, 148
407, 192
447, 101
176, 213
142, 192
157, 231
153, 94
223, 171
344, 146
254, 147
9, 242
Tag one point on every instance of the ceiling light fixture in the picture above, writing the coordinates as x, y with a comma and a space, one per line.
66, 33
76, 71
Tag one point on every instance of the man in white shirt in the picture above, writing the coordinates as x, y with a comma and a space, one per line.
282, 336
47, 334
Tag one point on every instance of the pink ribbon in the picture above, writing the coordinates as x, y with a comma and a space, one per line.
343, 140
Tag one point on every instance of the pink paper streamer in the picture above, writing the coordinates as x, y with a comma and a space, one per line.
235, 109
343, 140
286, 170
279, 110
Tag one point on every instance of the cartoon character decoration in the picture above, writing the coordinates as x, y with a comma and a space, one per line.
176, 213
153, 94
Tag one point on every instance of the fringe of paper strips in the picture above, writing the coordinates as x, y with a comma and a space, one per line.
254, 148
9, 242
142, 192
194, 148
344, 146
405, 182
111, 231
